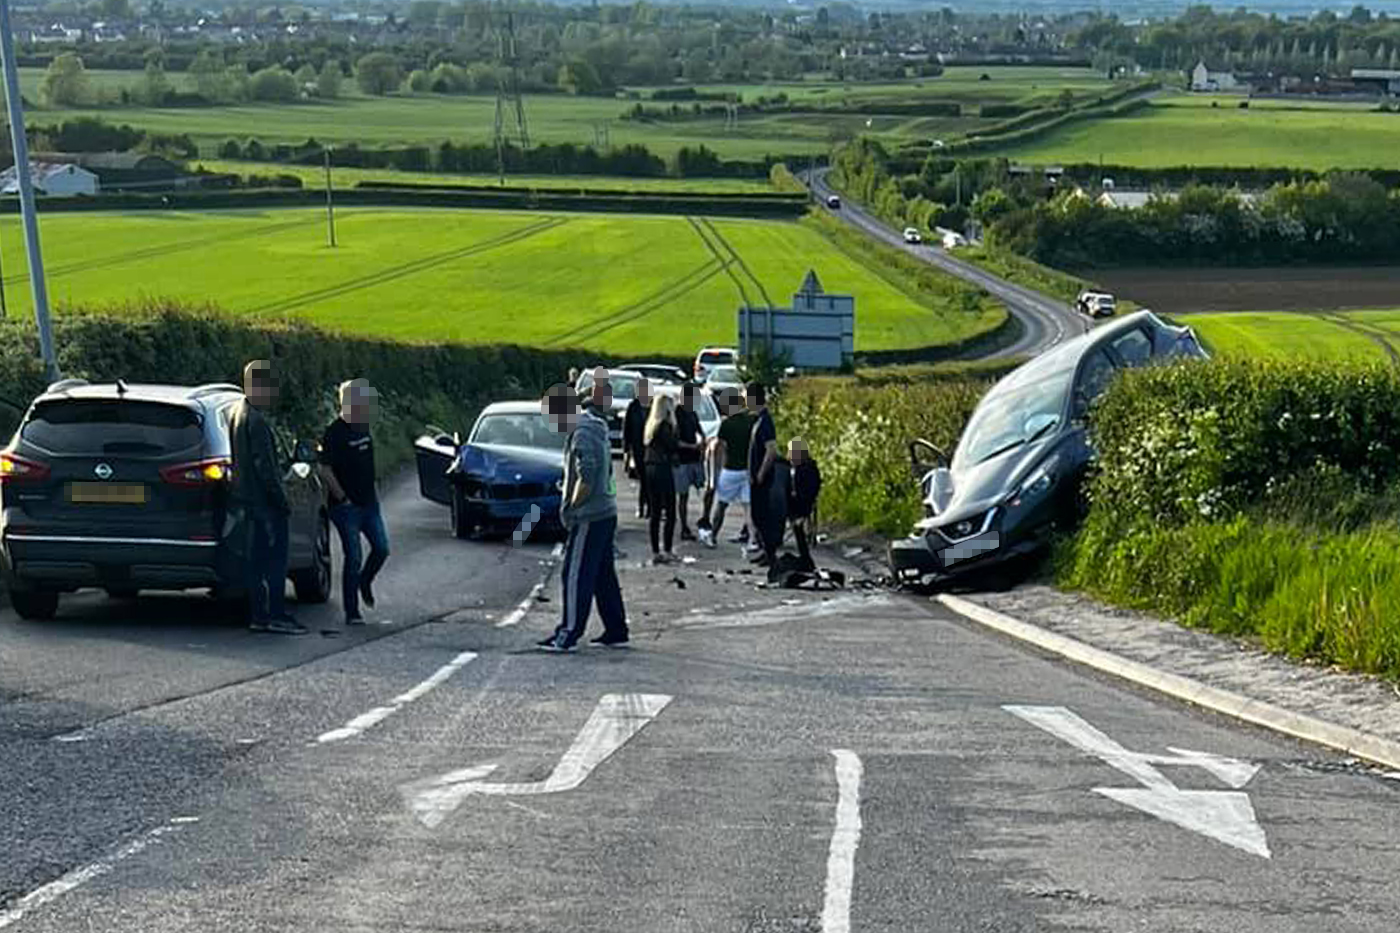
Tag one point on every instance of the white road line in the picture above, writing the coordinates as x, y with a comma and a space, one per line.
80, 876
519, 611
841, 863
380, 713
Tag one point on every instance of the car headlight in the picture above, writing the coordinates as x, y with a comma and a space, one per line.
1040, 482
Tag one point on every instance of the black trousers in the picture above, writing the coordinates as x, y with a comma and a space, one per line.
639, 455
661, 493
769, 516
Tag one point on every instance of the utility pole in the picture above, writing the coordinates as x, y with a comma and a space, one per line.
330, 204
26, 194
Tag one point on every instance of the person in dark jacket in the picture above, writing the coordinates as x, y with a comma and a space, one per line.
634, 447
661, 450
766, 507
802, 498
259, 494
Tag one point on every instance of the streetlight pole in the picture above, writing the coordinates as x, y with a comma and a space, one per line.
330, 206
26, 194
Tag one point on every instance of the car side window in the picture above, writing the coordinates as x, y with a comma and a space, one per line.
1094, 377
1133, 348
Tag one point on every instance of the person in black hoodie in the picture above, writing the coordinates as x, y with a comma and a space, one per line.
634, 425
803, 491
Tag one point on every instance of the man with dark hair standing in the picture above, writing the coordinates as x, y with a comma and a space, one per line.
767, 514
634, 425
588, 511
347, 469
258, 492
690, 466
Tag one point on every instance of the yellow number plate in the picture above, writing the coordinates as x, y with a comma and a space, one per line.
107, 493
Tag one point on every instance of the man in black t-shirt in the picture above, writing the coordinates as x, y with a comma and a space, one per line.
767, 508
689, 472
347, 467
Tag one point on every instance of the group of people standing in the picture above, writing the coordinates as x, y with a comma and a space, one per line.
665, 443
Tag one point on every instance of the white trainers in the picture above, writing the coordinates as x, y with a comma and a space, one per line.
707, 538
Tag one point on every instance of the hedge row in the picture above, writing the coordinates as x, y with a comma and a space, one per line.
1179, 176
763, 205
696, 195
1036, 130
442, 384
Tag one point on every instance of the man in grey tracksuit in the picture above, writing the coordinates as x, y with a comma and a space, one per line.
588, 509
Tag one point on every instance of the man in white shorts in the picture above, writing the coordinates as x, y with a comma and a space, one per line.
733, 458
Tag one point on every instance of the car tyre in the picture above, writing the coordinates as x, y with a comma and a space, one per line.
313, 584
35, 605
463, 525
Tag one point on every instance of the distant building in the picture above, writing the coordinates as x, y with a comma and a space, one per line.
1205, 78
53, 180
118, 171
817, 332
1383, 79
1137, 200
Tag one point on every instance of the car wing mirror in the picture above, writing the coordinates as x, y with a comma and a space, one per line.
925, 456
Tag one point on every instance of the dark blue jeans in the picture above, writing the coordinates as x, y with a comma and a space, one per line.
590, 575
352, 521
265, 564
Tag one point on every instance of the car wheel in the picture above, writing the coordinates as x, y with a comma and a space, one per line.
35, 605
313, 584
464, 524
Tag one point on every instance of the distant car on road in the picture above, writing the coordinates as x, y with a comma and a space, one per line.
624, 388
663, 373
833, 202
1016, 472
912, 235
714, 356
954, 240
724, 377
126, 488
512, 460
1096, 304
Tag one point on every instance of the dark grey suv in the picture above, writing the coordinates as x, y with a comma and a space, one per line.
125, 487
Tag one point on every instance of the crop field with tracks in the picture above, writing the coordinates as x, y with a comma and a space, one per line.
1369, 335
624, 284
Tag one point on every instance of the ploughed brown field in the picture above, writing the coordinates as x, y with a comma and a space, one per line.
1274, 288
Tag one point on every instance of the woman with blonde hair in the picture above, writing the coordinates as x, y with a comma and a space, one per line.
661, 447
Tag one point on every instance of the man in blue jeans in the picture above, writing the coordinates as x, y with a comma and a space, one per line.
347, 467
260, 498
588, 509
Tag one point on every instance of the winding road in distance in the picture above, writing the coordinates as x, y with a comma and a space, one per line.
1044, 320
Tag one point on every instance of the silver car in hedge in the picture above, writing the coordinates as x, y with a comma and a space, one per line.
1016, 472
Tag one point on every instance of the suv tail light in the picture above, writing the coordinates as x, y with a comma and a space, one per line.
17, 469
198, 472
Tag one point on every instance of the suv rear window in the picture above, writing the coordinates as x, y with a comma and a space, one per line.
98, 426
711, 358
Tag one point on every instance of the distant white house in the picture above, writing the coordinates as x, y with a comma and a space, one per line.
1136, 200
53, 180
1204, 78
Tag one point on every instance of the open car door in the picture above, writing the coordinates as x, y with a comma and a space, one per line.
435, 451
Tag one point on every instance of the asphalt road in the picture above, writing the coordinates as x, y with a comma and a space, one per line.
165, 771
1044, 321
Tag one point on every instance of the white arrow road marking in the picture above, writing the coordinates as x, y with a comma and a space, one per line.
841, 862
1225, 816
615, 719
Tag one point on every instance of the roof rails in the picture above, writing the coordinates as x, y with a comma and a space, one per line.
63, 385
215, 388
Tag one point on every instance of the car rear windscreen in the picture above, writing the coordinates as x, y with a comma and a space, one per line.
110, 428
711, 358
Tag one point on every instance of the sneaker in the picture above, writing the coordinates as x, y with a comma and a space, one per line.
257, 625
355, 619
287, 626
741, 538
367, 593
603, 641
707, 538
552, 646
687, 534
658, 559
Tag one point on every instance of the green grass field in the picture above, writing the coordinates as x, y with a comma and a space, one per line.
635, 284
314, 177
1291, 335
430, 119
1187, 131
